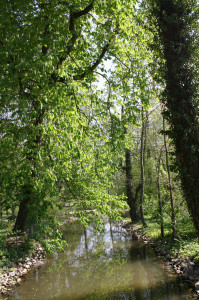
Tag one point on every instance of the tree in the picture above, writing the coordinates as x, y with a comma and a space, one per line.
49, 52
132, 197
142, 164
177, 33
160, 204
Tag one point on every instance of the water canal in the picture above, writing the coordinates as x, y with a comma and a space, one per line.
106, 265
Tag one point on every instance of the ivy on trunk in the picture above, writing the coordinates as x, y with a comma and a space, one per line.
174, 22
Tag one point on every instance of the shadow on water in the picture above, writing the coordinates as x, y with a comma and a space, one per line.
106, 265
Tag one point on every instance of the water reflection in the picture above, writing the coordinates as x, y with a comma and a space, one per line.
106, 265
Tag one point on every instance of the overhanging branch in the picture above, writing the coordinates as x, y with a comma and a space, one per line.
83, 12
73, 17
95, 64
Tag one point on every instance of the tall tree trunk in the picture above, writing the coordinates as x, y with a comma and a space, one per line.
173, 219
22, 220
131, 198
149, 175
160, 204
142, 154
175, 25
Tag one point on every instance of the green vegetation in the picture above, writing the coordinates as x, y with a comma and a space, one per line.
186, 242
11, 247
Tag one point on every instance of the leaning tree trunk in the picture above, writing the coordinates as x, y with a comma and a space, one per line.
175, 25
22, 216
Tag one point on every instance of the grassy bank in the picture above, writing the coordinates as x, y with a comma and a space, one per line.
186, 241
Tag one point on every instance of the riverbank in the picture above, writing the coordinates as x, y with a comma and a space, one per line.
183, 266
15, 274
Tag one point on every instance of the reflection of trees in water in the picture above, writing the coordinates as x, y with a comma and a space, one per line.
85, 240
104, 269
137, 252
88, 265
111, 232
88, 271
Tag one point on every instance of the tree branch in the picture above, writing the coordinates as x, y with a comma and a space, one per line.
83, 12
73, 17
95, 64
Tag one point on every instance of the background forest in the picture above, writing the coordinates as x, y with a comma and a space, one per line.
99, 113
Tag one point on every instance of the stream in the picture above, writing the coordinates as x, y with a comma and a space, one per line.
106, 265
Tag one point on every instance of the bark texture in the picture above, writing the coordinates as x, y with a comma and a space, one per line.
22, 216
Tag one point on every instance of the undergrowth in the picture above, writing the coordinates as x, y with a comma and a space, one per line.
186, 242
12, 246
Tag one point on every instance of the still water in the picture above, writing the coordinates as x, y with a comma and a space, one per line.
106, 265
